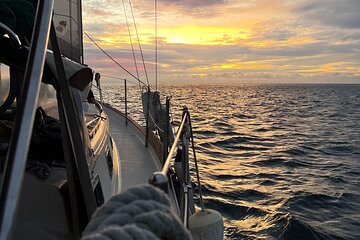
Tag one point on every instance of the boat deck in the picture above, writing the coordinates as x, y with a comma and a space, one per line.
137, 163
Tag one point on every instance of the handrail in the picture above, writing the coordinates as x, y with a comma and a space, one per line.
15, 39
175, 143
99, 106
160, 179
20, 139
94, 129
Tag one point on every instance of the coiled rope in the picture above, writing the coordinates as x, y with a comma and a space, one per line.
141, 212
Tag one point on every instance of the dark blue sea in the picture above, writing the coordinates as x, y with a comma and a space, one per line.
278, 161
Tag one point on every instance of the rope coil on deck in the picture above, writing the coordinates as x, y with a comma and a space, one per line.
141, 212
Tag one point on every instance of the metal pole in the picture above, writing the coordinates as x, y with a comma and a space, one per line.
156, 47
186, 206
97, 79
24, 121
196, 165
80, 28
167, 125
173, 147
75, 132
70, 171
160, 179
101, 96
126, 113
147, 118
185, 178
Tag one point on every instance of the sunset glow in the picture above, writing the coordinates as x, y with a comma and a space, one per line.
299, 41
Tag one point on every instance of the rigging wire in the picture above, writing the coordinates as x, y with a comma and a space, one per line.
113, 77
156, 46
111, 58
132, 46
98, 46
138, 40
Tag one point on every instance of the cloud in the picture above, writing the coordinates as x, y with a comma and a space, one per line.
181, 62
342, 14
232, 41
281, 28
194, 3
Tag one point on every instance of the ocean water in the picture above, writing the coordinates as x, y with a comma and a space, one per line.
278, 161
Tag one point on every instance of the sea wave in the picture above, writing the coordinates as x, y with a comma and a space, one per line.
278, 161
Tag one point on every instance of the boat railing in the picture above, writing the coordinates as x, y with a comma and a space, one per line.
94, 125
148, 117
101, 92
182, 140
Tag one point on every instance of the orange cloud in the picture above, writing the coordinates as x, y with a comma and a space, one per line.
219, 37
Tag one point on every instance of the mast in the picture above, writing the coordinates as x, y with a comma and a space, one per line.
80, 31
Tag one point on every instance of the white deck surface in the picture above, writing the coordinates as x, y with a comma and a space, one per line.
137, 163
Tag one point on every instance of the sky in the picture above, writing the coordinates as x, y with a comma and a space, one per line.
227, 41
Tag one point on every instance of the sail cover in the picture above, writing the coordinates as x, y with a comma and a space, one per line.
68, 26
20, 15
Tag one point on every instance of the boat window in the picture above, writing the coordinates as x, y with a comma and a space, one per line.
4, 82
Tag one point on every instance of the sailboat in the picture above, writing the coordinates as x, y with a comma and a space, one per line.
65, 158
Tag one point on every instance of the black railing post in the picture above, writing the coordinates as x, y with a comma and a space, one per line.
167, 126
147, 118
73, 127
97, 79
126, 112
179, 134
196, 163
185, 177
184, 181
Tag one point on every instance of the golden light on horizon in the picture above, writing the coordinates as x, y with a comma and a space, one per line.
260, 43
239, 65
203, 35
238, 37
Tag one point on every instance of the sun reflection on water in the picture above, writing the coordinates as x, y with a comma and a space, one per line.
277, 161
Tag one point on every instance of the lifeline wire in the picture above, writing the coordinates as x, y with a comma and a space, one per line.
97, 45
156, 47
137, 35
132, 47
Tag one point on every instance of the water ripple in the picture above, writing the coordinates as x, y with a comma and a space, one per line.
278, 161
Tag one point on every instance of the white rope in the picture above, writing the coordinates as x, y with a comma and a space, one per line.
141, 212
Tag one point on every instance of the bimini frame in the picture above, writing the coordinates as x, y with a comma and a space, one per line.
82, 199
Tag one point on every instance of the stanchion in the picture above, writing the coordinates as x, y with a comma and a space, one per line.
126, 113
